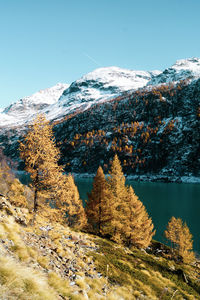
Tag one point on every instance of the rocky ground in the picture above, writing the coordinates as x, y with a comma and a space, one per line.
47, 260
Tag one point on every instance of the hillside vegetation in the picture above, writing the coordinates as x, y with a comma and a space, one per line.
51, 247
153, 131
50, 261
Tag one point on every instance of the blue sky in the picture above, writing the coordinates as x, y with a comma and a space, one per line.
43, 42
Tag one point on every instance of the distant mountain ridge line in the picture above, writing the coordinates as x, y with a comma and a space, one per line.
99, 85
154, 129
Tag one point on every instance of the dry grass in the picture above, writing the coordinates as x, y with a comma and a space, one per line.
131, 275
20, 282
43, 261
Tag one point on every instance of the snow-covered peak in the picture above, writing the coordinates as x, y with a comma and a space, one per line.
104, 83
43, 97
49, 95
24, 109
191, 64
155, 72
114, 76
100, 85
95, 87
183, 69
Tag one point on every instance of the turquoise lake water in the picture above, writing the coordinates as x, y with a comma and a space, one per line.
163, 200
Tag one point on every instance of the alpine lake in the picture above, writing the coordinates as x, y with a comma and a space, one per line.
162, 201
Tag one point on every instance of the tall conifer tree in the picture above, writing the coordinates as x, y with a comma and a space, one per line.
11, 187
99, 205
40, 154
179, 234
116, 182
137, 226
48, 179
75, 214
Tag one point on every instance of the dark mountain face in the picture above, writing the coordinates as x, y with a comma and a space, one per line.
153, 132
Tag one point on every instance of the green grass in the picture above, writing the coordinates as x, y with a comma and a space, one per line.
145, 272
127, 274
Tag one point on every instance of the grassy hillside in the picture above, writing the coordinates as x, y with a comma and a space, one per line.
50, 261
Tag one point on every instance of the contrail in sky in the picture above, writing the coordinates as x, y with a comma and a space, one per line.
92, 59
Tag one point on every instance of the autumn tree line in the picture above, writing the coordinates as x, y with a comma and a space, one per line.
113, 210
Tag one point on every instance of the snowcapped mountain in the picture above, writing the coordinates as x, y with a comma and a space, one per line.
104, 83
151, 125
24, 109
98, 86
182, 69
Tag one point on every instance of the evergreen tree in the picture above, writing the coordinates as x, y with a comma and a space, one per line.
75, 214
137, 226
179, 234
40, 154
186, 245
6, 177
48, 179
16, 193
173, 230
11, 187
99, 206
116, 182
116, 179
64, 196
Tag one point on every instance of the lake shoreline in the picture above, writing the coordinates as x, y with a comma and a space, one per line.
149, 178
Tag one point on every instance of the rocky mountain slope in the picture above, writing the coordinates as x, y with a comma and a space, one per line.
154, 132
47, 260
22, 111
97, 86
150, 119
182, 69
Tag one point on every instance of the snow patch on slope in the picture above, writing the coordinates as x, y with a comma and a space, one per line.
104, 82
24, 109
182, 69
191, 64
99, 86
95, 87
122, 78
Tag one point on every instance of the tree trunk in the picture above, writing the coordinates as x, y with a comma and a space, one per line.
35, 207
100, 215
35, 204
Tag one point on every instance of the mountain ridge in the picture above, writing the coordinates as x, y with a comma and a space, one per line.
99, 85
154, 129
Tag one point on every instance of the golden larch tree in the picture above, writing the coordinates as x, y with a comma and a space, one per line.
137, 226
186, 245
99, 206
11, 187
76, 213
16, 193
179, 234
39, 152
116, 182
173, 230
64, 196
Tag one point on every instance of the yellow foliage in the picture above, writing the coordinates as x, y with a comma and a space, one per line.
179, 234
99, 205
40, 154
137, 226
